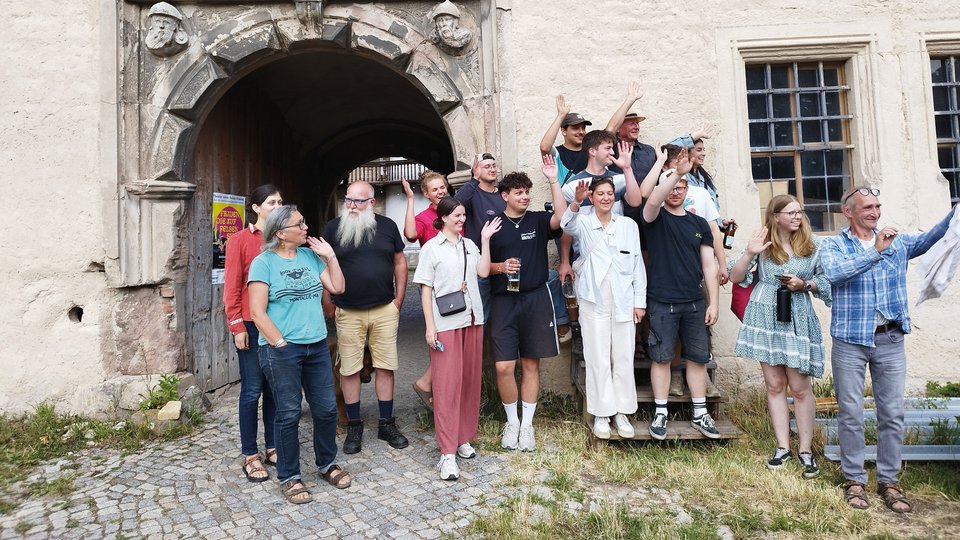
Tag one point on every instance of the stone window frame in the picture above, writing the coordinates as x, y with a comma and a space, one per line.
943, 45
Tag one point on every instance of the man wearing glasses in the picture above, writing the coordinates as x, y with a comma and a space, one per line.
867, 266
370, 250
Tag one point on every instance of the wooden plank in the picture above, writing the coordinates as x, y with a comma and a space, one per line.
677, 430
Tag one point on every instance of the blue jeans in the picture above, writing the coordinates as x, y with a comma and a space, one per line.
556, 296
252, 385
888, 371
289, 369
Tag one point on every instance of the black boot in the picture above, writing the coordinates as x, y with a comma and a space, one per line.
354, 438
388, 432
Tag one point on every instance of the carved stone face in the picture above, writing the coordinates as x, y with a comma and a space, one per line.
446, 26
161, 32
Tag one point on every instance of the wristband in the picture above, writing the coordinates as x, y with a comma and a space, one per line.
279, 342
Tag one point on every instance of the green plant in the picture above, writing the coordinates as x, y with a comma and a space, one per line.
944, 433
164, 392
823, 387
59, 486
946, 390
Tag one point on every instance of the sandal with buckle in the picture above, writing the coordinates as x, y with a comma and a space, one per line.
855, 490
291, 491
892, 493
270, 457
335, 475
250, 470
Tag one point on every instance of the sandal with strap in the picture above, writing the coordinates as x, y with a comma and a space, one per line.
270, 457
250, 470
855, 490
291, 491
334, 475
892, 494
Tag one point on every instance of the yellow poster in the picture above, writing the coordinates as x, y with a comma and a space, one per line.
228, 219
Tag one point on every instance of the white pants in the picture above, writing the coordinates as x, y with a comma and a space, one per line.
608, 348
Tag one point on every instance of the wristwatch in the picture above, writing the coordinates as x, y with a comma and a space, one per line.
807, 286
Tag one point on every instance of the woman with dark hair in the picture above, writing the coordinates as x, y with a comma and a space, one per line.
785, 253
241, 249
286, 285
612, 288
450, 263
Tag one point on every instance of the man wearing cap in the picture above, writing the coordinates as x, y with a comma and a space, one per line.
569, 155
627, 127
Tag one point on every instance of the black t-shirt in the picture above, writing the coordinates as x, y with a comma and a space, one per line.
529, 242
675, 269
368, 269
643, 158
481, 207
574, 160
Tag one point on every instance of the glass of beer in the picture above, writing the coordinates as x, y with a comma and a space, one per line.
513, 278
569, 292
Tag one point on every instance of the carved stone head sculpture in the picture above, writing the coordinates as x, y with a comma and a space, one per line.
165, 33
447, 31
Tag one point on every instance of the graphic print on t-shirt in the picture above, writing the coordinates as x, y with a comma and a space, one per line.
299, 284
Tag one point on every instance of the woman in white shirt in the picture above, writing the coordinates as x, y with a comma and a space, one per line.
611, 284
450, 263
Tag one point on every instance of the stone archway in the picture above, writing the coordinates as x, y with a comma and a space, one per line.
166, 100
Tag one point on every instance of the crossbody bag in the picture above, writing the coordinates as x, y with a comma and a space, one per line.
455, 302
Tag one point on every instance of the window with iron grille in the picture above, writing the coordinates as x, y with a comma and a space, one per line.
946, 116
800, 136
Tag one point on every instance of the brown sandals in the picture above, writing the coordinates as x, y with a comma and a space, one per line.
250, 470
335, 475
270, 457
293, 487
853, 490
892, 494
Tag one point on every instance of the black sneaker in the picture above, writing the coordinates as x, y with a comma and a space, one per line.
388, 432
704, 424
810, 468
780, 456
354, 438
658, 428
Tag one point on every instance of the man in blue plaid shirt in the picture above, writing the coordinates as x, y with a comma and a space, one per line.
867, 267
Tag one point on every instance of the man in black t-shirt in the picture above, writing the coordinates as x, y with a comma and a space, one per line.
680, 248
522, 324
370, 251
570, 155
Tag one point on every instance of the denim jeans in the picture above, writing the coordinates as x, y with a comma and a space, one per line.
289, 369
888, 370
556, 296
252, 385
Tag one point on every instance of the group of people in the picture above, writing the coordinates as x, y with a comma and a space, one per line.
640, 233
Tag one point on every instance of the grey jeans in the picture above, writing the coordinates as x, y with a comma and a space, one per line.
888, 368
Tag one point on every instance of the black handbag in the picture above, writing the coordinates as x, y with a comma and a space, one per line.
455, 302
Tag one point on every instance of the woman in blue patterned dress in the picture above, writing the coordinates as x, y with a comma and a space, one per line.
785, 253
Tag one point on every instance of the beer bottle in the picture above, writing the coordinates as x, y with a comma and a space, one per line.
728, 234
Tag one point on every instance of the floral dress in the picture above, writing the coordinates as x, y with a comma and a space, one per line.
796, 344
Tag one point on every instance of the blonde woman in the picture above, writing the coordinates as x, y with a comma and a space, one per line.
790, 353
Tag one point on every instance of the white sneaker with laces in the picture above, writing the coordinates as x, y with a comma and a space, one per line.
624, 428
466, 451
448, 467
511, 436
526, 441
601, 427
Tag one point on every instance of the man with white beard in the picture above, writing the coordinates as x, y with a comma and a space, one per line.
370, 250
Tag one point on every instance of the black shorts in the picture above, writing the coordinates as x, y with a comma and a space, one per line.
684, 321
522, 325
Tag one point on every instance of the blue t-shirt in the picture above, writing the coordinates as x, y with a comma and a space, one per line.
293, 303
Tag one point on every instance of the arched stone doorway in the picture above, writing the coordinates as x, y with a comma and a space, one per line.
297, 97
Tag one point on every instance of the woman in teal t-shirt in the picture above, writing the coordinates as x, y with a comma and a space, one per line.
285, 283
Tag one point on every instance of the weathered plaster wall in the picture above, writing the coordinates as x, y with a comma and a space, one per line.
51, 125
684, 60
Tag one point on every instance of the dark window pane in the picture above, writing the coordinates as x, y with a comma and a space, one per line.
807, 78
760, 167
779, 77
953, 180
757, 106
833, 103
816, 216
759, 135
834, 130
944, 126
781, 167
811, 164
947, 157
835, 188
835, 162
783, 134
811, 131
781, 106
810, 104
938, 70
830, 77
941, 98
756, 78
814, 191
792, 187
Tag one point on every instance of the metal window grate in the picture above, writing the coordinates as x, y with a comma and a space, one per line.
946, 117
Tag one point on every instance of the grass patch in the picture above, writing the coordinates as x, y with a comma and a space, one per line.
58, 486
945, 390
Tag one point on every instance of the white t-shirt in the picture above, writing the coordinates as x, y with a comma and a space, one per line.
698, 201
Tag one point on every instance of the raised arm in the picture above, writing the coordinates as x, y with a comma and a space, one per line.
840, 267
650, 181
633, 196
660, 193
569, 221
758, 244
550, 137
409, 221
490, 228
332, 277
919, 243
559, 203
633, 94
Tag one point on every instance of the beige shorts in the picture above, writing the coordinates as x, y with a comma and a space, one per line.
376, 328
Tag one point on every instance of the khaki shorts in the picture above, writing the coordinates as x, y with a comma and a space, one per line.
376, 328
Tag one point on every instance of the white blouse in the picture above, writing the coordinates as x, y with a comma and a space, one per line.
441, 267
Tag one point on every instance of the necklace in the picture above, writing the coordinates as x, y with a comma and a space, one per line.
516, 224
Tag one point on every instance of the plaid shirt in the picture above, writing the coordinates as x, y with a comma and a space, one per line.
865, 281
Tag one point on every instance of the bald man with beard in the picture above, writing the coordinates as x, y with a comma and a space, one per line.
370, 250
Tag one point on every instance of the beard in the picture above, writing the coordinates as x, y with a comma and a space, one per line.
356, 230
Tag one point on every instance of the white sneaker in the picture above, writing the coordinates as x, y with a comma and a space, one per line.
466, 451
601, 427
526, 441
511, 436
448, 467
624, 428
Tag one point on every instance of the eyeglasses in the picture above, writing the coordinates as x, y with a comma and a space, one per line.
793, 213
355, 202
301, 224
863, 191
678, 189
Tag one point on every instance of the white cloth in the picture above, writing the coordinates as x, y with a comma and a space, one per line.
938, 265
616, 257
608, 348
441, 267
698, 200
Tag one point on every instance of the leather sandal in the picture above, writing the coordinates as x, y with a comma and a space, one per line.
335, 475
249, 470
270, 457
290, 491
855, 490
892, 494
